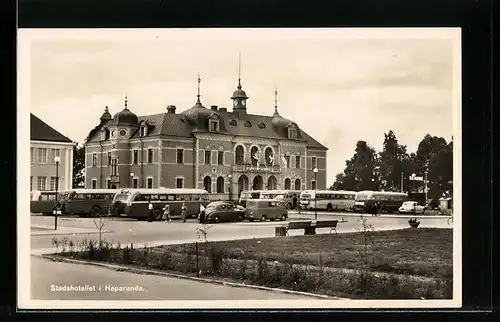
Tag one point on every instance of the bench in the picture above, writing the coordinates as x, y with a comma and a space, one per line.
308, 226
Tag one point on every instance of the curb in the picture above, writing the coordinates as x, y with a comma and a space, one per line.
134, 270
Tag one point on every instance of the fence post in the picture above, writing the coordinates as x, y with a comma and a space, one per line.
197, 265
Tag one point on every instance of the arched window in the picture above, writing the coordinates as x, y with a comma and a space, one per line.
288, 183
239, 155
207, 184
220, 185
269, 157
254, 154
297, 184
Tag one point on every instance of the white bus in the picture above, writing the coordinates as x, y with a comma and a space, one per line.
133, 203
286, 198
249, 194
329, 200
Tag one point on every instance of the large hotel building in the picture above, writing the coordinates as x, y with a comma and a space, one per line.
212, 148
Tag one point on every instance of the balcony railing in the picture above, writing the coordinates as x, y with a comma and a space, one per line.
254, 168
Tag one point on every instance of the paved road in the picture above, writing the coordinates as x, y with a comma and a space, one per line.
141, 232
152, 287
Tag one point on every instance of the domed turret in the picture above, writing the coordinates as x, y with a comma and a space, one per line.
125, 117
106, 116
198, 114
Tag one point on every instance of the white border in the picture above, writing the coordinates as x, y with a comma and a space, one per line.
23, 215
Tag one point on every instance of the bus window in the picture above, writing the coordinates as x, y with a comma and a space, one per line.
187, 197
162, 197
171, 197
154, 197
196, 197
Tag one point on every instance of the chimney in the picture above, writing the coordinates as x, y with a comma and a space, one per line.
214, 107
223, 109
171, 109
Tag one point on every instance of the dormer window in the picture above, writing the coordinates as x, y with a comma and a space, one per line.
213, 123
233, 122
248, 124
292, 132
104, 135
262, 126
143, 128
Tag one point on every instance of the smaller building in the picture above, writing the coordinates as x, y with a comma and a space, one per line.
46, 145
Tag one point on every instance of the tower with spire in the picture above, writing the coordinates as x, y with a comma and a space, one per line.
239, 96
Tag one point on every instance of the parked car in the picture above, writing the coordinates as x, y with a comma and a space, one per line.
220, 211
411, 207
264, 209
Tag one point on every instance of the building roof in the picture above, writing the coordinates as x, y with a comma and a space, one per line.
41, 131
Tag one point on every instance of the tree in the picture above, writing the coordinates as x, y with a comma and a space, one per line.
392, 160
78, 166
440, 173
339, 182
429, 146
360, 172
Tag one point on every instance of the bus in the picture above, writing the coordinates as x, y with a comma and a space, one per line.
389, 201
329, 200
133, 203
43, 202
286, 198
87, 202
249, 194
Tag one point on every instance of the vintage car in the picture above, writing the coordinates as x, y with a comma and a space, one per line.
264, 209
220, 211
411, 207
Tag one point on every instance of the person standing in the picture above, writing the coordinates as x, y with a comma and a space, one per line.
166, 213
202, 213
150, 209
183, 212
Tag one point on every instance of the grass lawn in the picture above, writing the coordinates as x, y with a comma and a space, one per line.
419, 252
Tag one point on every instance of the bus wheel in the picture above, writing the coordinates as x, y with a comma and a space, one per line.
158, 214
95, 211
329, 207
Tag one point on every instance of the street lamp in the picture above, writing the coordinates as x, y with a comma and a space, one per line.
57, 159
413, 175
132, 180
229, 177
315, 170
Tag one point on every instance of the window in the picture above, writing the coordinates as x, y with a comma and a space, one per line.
150, 183
41, 183
262, 126
207, 184
103, 135
32, 152
179, 183
220, 185
135, 183
292, 133
313, 160
53, 184
313, 185
287, 159
31, 183
94, 183
180, 156
135, 157
239, 155
287, 184
214, 126
150, 155
143, 130
42, 155
109, 158
114, 167
220, 157
248, 124
297, 161
94, 159
233, 123
208, 155
269, 157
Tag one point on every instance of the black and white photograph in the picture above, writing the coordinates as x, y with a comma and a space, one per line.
185, 168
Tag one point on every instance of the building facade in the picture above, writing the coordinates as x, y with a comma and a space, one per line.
46, 145
224, 152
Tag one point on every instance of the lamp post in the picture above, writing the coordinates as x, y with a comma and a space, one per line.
426, 171
132, 180
413, 175
56, 210
229, 176
315, 170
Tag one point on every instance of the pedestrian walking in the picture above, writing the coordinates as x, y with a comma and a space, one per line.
183, 212
150, 209
375, 208
202, 213
166, 213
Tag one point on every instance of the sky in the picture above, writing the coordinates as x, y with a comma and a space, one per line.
338, 85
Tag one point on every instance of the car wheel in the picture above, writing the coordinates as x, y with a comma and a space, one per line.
95, 211
283, 217
263, 218
288, 206
241, 218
